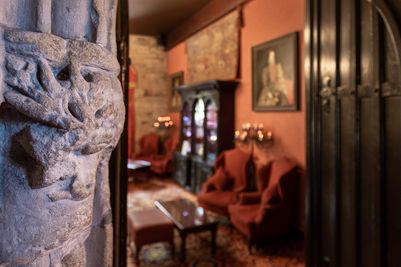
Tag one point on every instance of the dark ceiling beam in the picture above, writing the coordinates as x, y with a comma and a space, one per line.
204, 17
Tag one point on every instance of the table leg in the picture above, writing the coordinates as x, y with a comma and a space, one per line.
172, 249
213, 234
183, 246
130, 176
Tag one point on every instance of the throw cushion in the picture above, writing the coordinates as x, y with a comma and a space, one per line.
148, 150
221, 180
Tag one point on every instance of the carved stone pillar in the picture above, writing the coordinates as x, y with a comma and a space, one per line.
61, 115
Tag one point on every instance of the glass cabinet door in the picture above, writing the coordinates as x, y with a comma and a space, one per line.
186, 129
199, 120
211, 131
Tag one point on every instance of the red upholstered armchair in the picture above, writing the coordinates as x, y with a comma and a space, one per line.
273, 212
229, 179
162, 164
149, 146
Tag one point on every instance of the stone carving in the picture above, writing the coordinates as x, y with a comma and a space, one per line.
62, 116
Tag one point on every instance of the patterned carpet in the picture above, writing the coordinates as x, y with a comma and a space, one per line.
232, 248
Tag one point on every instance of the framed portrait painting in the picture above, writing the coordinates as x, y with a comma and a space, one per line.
275, 74
177, 79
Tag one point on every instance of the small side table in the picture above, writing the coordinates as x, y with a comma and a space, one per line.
138, 169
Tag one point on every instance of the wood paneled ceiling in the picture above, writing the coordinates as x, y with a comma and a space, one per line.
154, 17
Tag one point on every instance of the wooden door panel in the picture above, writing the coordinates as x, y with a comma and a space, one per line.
393, 180
328, 136
370, 183
354, 132
328, 185
347, 128
348, 196
370, 179
391, 93
391, 65
369, 45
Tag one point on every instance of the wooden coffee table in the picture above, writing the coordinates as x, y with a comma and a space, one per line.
188, 218
138, 167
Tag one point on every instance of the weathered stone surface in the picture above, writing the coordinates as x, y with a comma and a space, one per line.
61, 115
153, 90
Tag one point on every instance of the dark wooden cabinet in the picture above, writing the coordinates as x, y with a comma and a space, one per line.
182, 168
200, 171
207, 128
353, 66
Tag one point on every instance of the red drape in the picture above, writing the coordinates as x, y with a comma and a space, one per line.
131, 111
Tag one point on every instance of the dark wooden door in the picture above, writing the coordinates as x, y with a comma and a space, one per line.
118, 176
353, 71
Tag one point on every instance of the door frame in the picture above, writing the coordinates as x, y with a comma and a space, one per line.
119, 158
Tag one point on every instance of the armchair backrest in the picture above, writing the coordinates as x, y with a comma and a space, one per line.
149, 144
283, 180
262, 177
170, 145
234, 163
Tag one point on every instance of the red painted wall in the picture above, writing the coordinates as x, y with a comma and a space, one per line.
266, 20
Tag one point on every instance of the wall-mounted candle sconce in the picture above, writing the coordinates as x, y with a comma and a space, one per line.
163, 122
253, 132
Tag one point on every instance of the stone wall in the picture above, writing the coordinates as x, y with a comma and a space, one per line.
61, 115
153, 90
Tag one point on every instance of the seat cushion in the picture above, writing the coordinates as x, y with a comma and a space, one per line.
243, 217
217, 201
149, 226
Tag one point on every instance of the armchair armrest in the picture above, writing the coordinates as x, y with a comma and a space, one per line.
268, 211
247, 198
208, 187
240, 189
218, 181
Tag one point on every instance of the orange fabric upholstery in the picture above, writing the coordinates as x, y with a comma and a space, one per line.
233, 165
149, 146
217, 201
220, 181
249, 198
262, 180
149, 226
162, 164
275, 212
